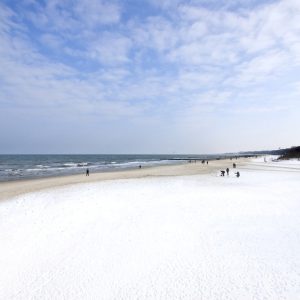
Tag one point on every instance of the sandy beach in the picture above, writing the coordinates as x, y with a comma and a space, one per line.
13, 188
172, 232
149, 150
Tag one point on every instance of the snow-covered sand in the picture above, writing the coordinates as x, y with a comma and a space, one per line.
184, 237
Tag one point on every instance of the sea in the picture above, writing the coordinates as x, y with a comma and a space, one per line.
17, 167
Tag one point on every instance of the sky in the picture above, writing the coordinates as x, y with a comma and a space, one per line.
149, 76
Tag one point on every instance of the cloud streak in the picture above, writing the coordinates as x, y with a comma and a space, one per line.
177, 63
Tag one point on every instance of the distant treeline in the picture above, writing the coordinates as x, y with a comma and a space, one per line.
293, 152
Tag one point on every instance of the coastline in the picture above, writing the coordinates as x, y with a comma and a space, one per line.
10, 189
182, 224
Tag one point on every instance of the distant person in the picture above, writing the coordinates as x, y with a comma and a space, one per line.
222, 173
87, 173
227, 171
140, 166
234, 165
237, 174
207, 162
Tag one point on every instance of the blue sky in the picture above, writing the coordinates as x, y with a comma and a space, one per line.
152, 76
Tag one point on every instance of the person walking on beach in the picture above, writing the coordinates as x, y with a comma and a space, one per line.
87, 173
234, 165
237, 174
222, 173
227, 171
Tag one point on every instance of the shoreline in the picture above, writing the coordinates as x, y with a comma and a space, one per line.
182, 224
10, 189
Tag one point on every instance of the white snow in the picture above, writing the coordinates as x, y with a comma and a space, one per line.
189, 237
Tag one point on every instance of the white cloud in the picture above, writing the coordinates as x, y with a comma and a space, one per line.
186, 62
52, 41
73, 16
5, 16
95, 12
31, 81
165, 4
262, 68
111, 49
156, 33
195, 31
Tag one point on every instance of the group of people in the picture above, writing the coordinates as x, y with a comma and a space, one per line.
87, 173
237, 174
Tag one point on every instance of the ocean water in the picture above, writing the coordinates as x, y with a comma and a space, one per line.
15, 167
